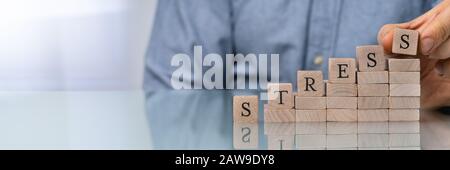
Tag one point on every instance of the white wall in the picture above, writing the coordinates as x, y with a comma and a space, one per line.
73, 44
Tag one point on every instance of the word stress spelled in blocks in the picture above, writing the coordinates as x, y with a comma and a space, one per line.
310, 83
405, 41
245, 109
374, 88
370, 58
280, 96
342, 70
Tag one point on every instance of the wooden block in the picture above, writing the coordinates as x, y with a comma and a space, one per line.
404, 140
405, 41
373, 89
342, 70
279, 128
280, 142
373, 127
377, 148
245, 136
404, 77
370, 58
404, 102
310, 141
307, 128
404, 127
310, 103
373, 102
278, 115
404, 65
405, 148
311, 115
342, 141
373, 140
404, 90
245, 108
346, 149
404, 114
342, 102
342, 90
310, 83
376, 77
340, 128
280, 96
371, 115
342, 115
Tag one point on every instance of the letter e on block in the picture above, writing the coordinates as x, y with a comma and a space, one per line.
342, 70
245, 109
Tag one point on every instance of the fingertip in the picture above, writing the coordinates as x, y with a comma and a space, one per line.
386, 42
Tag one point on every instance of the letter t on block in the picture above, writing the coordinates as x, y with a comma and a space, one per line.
245, 109
280, 96
342, 70
310, 83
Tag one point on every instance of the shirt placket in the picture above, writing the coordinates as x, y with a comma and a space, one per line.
323, 28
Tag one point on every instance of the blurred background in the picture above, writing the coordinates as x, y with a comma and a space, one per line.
74, 44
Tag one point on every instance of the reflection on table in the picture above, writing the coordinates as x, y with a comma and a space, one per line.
329, 136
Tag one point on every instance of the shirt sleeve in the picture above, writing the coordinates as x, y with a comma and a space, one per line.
180, 25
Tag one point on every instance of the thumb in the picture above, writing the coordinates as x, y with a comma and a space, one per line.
435, 33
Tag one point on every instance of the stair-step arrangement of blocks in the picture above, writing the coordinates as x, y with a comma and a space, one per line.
370, 88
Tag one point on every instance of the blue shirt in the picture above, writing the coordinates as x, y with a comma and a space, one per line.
298, 30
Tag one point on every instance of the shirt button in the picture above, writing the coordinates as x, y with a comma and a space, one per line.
318, 60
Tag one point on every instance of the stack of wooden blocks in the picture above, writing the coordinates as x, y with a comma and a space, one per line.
404, 89
363, 91
404, 78
373, 84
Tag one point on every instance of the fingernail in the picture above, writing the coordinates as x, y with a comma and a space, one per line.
427, 45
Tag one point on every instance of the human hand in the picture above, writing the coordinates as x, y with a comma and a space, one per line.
434, 52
